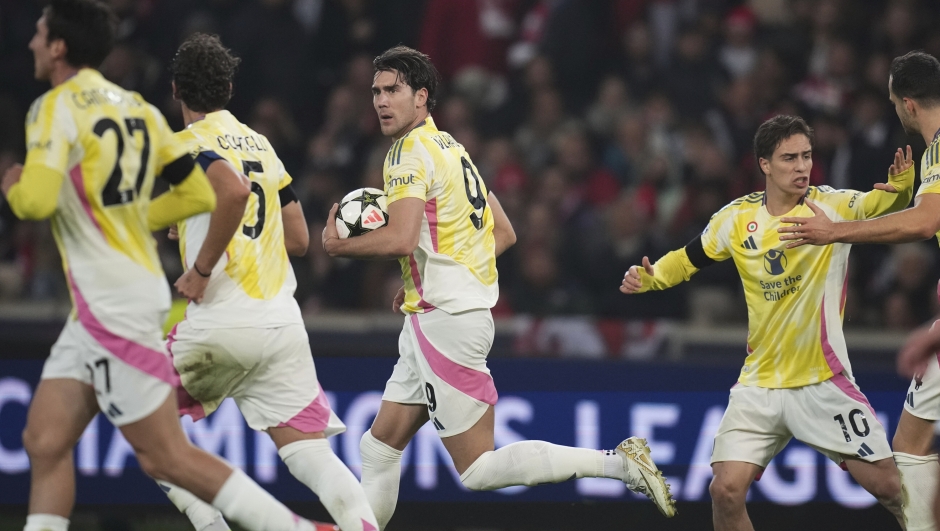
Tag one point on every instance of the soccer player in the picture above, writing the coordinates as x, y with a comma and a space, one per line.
914, 88
243, 335
446, 230
796, 380
93, 151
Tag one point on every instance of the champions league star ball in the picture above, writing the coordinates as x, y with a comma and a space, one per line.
361, 211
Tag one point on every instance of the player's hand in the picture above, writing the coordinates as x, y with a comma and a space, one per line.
916, 353
817, 230
192, 285
330, 234
901, 164
398, 300
632, 282
173, 233
11, 177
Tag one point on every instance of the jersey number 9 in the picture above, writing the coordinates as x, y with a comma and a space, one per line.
475, 195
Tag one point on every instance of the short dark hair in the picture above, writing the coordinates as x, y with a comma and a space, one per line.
203, 70
916, 75
414, 69
88, 28
777, 129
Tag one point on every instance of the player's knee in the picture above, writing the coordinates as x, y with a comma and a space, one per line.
158, 464
477, 477
44, 444
725, 493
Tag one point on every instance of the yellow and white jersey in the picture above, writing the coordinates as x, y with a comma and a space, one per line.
795, 297
930, 170
252, 285
454, 266
109, 144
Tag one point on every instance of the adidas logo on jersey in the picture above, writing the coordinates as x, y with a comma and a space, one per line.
865, 451
749, 244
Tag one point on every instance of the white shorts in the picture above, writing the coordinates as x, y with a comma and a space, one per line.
268, 371
442, 364
833, 417
131, 379
923, 396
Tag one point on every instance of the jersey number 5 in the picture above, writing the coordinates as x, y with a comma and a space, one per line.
248, 167
111, 194
471, 182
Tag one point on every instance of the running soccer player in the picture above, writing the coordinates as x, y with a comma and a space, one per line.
796, 380
446, 230
914, 88
93, 151
243, 335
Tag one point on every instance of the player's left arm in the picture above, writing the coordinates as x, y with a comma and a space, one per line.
32, 190
232, 190
190, 191
397, 239
296, 234
502, 227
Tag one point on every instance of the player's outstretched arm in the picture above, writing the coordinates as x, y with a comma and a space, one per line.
917, 223
397, 239
32, 193
502, 227
190, 194
231, 190
672, 269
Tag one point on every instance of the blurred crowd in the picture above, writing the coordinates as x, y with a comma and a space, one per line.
609, 129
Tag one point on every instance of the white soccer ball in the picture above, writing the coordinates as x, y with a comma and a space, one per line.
361, 211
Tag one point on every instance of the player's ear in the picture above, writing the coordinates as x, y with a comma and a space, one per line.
764, 165
176, 94
58, 49
910, 106
421, 97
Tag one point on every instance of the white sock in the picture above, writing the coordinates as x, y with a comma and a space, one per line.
381, 473
46, 522
313, 462
244, 502
203, 516
534, 462
919, 479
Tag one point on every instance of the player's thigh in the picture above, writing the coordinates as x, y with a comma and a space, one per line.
282, 391
60, 411
914, 435
835, 418
449, 353
396, 424
466, 447
211, 364
752, 429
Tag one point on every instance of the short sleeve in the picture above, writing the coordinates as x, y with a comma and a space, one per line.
716, 238
284, 179
930, 171
50, 133
406, 172
847, 204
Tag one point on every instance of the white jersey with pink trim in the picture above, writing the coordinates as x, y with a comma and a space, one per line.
109, 144
454, 266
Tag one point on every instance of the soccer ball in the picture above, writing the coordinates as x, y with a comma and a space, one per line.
361, 211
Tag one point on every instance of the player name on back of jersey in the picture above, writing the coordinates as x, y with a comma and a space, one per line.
243, 143
444, 141
101, 96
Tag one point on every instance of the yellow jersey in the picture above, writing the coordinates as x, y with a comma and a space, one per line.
108, 143
795, 297
454, 265
253, 284
930, 170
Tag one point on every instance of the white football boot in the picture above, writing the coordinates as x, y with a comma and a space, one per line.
643, 476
